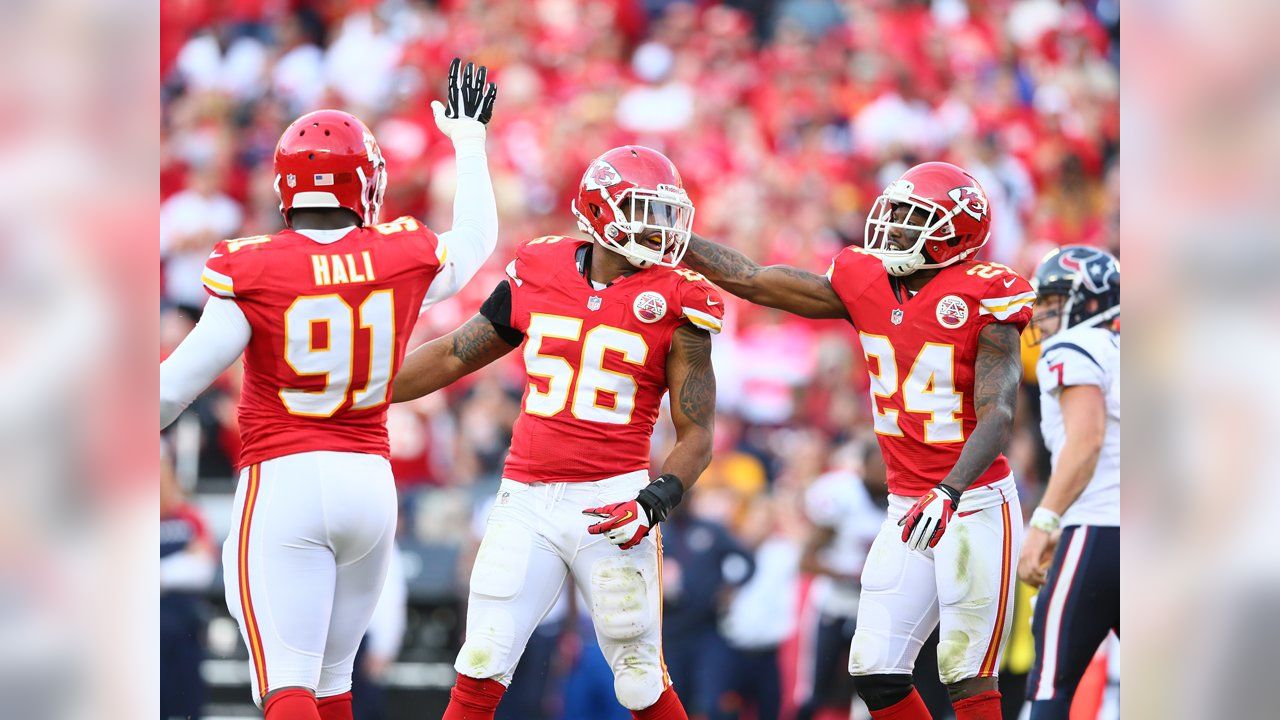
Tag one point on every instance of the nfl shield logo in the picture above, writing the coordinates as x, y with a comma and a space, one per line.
291, 180
593, 303
896, 316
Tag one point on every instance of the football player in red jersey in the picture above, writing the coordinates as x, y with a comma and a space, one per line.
940, 333
606, 328
322, 311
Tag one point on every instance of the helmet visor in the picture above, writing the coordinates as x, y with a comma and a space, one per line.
658, 225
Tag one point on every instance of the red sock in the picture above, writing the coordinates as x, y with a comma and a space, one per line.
667, 707
473, 699
983, 706
291, 704
910, 707
335, 707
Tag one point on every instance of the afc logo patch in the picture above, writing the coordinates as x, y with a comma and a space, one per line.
971, 200
649, 307
952, 312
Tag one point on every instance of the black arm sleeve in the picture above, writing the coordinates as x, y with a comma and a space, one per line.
497, 310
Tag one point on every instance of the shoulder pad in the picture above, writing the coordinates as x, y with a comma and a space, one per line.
1001, 292
700, 302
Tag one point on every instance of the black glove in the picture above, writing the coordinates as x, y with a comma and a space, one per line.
469, 92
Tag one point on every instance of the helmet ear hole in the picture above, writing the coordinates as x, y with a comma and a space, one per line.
595, 210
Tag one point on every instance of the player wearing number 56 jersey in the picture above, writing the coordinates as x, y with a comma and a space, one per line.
605, 330
322, 311
940, 333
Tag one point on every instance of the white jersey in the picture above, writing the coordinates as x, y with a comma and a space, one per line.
1085, 356
839, 501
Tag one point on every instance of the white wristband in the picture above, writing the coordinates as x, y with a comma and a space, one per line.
1046, 520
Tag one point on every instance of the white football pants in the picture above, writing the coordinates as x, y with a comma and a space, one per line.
304, 565
966, 582
535, 538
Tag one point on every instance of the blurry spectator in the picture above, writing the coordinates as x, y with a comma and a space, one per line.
588, 687
212, 61
187, 566
192, 221
381, 644
700, 563
846, 508
298, 77
661, 104
761, 617
361, 62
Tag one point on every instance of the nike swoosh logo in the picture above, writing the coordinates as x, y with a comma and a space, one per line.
713, 303
628, 516
1009, 282
214, 255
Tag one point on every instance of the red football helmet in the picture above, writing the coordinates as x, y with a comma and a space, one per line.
632, 201
329, 159
944, 206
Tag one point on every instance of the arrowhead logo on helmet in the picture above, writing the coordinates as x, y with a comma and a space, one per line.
971, 200
602, 175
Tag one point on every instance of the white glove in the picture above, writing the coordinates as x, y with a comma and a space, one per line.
470, 102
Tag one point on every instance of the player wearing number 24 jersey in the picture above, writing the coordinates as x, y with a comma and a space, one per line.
605, 329
940, 333
321, 312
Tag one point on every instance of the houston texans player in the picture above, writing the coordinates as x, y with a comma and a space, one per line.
322, 311
1079, 374
940, 333
606, 327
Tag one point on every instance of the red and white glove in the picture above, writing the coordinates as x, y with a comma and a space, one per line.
924, 523
625, 523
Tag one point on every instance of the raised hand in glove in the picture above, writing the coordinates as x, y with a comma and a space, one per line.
626, 523
470, 100
924, 523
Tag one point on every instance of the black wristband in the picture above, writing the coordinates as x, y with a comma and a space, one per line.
661, 496
950, 492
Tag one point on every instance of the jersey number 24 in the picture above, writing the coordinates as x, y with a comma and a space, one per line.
929, 388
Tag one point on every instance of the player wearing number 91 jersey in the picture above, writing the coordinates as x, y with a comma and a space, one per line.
321, 311
940, 333
605, 330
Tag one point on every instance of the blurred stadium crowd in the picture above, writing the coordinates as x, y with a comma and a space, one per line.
786, 118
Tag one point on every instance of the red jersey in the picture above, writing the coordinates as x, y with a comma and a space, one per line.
596, 360
921, 356
329, 327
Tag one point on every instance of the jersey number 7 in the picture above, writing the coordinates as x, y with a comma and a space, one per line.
334, 357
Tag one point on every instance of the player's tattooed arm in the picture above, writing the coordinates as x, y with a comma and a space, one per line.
780, 286
997, 372
692, 383
442, 361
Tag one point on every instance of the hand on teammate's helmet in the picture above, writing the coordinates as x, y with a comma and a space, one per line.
625, 523
924, 523
470, 99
